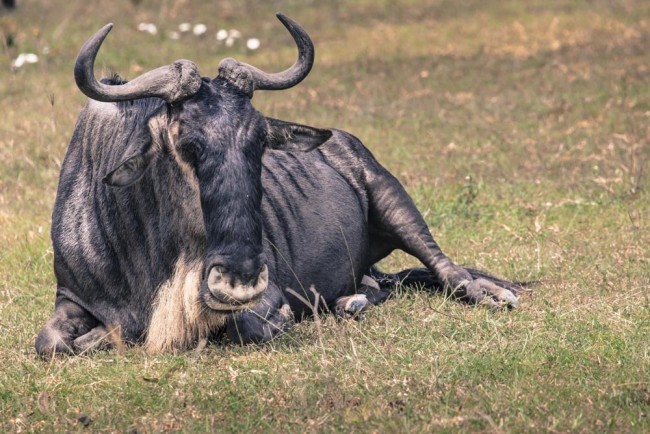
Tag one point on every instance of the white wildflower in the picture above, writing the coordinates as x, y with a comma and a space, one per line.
18, 61
148, 27
31, 58
253, 44
184, 27
222, 34
24, 58
199, 29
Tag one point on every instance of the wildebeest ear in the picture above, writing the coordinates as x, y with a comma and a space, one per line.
129, 171
288, 136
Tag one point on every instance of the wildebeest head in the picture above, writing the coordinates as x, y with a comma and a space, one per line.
212, 130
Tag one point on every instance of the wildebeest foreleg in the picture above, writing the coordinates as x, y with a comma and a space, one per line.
70, 322
96, 339
396, 223
269, 319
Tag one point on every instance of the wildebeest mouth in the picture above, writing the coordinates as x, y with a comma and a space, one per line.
224, 293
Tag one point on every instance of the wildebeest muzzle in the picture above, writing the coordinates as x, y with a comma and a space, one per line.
234, 288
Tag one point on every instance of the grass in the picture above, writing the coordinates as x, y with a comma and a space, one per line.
520, 129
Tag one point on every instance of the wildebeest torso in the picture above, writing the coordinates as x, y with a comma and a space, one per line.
112, 257
308, 203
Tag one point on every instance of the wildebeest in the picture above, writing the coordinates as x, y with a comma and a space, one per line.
182, 212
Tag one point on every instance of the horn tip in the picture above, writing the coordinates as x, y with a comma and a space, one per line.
283, 18
104, 31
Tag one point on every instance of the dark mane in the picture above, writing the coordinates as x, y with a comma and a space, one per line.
114, 80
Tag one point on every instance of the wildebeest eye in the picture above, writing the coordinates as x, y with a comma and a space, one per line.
190, 150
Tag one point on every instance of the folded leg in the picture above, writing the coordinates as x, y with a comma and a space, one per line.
397, 224
69, 325
269, 319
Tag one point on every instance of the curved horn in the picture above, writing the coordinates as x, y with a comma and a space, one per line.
282, 80
172, 82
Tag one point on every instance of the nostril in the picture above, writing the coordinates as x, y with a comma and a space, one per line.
220, 268
216, 275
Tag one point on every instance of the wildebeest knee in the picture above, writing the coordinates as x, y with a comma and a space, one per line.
51, 341
68, 323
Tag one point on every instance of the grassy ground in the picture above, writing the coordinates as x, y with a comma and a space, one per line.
519, 127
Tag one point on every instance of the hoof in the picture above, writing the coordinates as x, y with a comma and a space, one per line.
482, 291
351, 306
